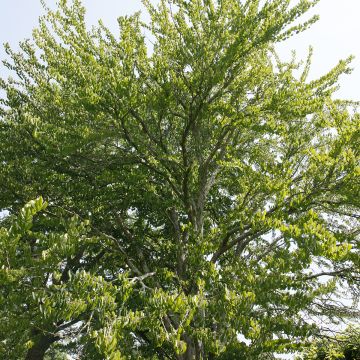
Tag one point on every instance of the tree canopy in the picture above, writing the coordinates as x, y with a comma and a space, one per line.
344, 346
176, 190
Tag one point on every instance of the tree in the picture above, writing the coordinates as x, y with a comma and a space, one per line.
202, 195
345, 346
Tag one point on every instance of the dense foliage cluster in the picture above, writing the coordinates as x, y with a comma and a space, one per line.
345, 346
201, 196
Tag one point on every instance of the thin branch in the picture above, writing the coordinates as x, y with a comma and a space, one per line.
327, 273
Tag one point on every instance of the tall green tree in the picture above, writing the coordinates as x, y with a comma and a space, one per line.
202, 194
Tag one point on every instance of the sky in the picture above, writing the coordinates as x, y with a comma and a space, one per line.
334, 37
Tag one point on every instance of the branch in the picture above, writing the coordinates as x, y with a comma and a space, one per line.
327, 273
270, 247
145, 160
146, 130
242, 240
181, 251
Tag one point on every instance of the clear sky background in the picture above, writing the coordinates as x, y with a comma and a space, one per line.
334, 37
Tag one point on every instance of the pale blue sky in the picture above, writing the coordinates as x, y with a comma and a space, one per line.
335, 36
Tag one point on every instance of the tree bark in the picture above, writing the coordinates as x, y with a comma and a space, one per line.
190, 350
42, 343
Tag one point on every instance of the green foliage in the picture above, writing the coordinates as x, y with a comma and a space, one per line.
345, 346
199, 189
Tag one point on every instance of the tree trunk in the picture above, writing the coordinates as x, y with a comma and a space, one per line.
194, 350
190, 352
41, 345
